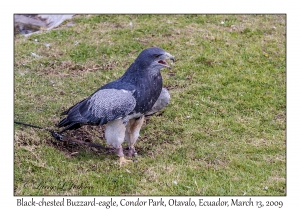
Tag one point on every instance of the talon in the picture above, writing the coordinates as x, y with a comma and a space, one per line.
123, 161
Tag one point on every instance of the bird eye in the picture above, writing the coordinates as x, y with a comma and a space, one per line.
156, 55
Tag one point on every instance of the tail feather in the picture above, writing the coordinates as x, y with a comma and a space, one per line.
68, 110
71, 126
64, 122
74, 118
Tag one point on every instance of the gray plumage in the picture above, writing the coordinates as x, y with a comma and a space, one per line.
103, 106
162, 101
111, 104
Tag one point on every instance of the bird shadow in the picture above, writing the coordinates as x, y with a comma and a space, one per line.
84, 139
91, 139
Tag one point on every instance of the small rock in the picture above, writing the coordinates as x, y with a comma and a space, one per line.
175, 182
52, 82
35, 55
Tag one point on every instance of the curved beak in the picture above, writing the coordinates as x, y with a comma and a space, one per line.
166, 56
170, 57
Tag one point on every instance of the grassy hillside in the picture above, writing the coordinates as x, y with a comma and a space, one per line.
223, 132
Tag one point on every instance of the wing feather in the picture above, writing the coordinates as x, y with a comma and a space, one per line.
110, 104
103, 106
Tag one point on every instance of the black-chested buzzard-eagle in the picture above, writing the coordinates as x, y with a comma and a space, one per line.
123, 103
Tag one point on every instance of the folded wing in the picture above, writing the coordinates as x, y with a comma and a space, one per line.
103, 106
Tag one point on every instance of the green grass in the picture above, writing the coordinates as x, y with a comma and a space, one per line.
223, 132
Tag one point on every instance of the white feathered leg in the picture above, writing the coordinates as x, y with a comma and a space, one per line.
114, 135
132, 133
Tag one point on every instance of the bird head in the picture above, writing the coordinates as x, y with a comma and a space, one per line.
154, 58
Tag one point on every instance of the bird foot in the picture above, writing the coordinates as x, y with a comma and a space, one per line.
124, 161
131, 152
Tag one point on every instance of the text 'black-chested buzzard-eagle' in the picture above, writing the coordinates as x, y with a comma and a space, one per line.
123, 103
